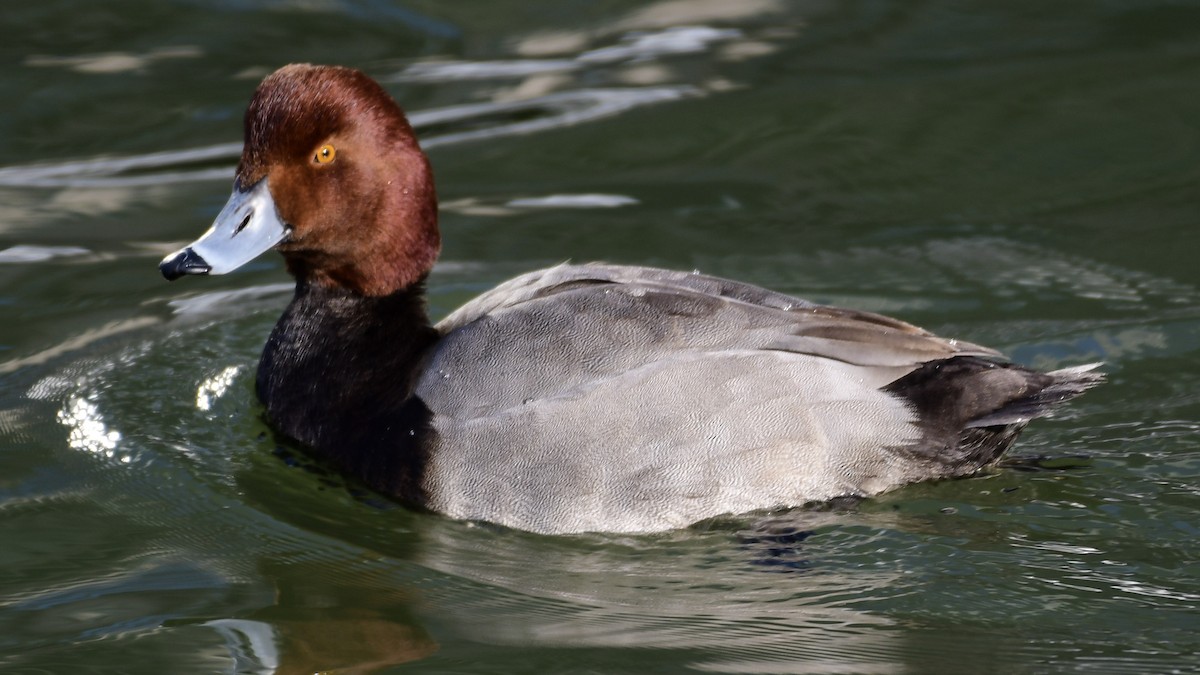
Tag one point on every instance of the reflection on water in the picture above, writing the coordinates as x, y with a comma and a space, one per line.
672, 593
548, 112
215, 387
113, 62
305, 630
32, 254
87, 429
530, 108
631, 48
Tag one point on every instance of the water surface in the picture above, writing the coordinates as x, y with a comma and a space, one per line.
1021, 175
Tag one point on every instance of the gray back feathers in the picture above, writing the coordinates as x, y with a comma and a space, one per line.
600, 397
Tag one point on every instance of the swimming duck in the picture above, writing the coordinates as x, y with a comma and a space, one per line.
582, 397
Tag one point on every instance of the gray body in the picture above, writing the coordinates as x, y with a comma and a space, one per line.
611, 398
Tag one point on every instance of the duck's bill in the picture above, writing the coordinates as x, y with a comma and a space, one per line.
248, 225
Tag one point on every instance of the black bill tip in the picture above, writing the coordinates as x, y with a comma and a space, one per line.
184, 262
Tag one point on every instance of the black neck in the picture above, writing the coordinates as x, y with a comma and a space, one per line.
337, 375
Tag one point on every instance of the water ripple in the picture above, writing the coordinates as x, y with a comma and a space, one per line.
494, 120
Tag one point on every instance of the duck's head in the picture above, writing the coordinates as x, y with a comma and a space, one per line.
331, 176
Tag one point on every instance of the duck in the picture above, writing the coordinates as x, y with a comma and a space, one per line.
583, 397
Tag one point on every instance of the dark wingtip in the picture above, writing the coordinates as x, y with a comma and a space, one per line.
183, 262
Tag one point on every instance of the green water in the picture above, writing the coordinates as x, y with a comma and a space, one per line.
1018, 174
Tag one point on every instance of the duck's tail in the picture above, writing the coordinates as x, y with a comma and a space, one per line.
1064, 385
971, 409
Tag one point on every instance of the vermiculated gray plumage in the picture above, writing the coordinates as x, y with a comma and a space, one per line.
600, 397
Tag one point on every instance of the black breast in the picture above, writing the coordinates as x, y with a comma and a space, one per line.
337, 374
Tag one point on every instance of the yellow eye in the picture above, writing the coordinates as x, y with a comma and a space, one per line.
325, 155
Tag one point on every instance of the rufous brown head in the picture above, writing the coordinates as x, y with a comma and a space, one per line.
332, 176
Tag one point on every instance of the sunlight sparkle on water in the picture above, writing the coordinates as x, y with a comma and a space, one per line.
88, 430
215, 386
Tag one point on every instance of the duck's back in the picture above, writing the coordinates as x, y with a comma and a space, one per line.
600, 397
